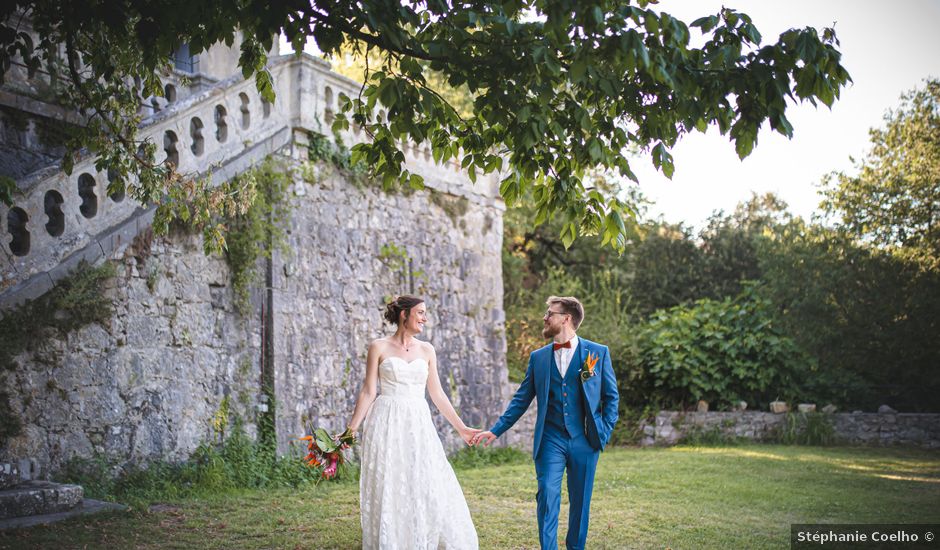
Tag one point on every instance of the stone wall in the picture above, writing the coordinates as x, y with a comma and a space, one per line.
147, 383
884, 429
352, 248
151, 382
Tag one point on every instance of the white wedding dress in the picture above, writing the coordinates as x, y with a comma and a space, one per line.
409, 496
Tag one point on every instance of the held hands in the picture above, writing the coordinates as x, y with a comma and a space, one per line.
468, 434
486, 438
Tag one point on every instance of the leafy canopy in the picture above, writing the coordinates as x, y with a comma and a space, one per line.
561, 87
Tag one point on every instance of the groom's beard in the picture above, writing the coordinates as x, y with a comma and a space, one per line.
550, 331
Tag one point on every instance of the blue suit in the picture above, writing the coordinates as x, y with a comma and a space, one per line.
574, 423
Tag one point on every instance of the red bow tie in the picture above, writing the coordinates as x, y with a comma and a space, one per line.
556, 347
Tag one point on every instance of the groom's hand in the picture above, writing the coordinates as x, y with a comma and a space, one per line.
486, 438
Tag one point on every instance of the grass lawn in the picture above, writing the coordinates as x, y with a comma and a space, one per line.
680, 497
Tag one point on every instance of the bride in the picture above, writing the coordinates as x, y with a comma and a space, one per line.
409, 496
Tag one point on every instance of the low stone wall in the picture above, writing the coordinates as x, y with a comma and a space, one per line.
912, 429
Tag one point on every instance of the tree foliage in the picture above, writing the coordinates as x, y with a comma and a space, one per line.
865, 318
673, 266
869, 318
560, 88
894, 200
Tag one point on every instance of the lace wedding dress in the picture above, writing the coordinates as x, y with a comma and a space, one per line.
409, 495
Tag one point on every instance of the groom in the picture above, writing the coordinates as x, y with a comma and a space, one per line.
574, 383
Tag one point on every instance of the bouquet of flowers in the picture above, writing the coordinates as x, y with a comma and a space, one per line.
326, 451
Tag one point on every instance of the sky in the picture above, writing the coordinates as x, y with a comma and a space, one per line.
887, 48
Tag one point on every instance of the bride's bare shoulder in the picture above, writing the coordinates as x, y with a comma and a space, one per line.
379, 344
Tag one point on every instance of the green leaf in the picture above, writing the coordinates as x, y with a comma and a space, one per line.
416, 182
568, 234
265, 85
523, 114
68, 162
509, 190
577, 70
7, 188
595, 150
706, 24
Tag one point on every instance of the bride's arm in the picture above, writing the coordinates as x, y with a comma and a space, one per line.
369, 388
440, 400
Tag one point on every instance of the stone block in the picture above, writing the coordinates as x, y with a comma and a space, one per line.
806, 407
25, 467
34, 498
779, 407
9, 474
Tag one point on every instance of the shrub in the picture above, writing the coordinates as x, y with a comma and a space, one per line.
722, 352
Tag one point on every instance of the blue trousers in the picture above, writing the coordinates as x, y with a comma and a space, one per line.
559, 453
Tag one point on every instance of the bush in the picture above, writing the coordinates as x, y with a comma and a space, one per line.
867, 316
258, 231
723, 352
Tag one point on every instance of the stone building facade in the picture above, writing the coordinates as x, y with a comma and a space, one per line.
176, 359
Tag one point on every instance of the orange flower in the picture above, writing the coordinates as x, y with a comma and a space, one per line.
587, 370
591, 362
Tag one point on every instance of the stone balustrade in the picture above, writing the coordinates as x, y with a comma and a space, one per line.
59, 219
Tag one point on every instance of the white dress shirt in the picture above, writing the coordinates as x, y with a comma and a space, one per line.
563, 356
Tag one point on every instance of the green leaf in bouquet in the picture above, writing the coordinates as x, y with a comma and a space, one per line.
324, 441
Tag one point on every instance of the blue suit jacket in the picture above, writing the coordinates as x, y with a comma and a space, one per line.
600, 394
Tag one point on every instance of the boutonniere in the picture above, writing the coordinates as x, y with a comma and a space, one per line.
587, 370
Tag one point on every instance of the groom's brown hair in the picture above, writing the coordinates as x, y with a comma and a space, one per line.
570, 305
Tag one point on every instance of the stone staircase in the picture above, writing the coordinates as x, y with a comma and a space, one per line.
25, 502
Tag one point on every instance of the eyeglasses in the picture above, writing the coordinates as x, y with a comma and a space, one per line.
549, 313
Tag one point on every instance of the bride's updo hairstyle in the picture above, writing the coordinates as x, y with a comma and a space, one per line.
402, 303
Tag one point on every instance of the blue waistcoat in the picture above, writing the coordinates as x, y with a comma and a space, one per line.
564, 396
